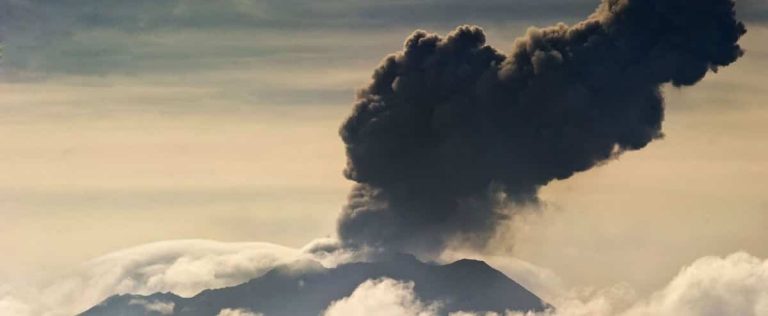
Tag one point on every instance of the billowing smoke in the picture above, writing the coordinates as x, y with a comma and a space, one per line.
451, 133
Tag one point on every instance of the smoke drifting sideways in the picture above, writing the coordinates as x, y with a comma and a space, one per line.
452, 135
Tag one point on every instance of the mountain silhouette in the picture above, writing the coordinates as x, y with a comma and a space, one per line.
307, 288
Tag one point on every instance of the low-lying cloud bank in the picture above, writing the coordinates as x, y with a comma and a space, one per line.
733, 285
184, 267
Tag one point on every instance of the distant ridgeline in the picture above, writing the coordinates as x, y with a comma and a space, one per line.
465, 285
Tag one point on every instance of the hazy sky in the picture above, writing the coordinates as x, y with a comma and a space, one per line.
127, 122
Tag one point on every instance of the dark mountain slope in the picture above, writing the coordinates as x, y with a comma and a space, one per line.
466, 285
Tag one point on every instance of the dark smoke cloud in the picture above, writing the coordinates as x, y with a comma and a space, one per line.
451, 131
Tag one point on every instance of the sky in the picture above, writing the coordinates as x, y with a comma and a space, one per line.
124, 123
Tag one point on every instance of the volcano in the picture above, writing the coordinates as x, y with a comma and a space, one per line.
308, 288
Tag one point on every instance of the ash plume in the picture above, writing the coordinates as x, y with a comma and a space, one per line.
451, 131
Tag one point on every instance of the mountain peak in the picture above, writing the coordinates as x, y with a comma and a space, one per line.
471, 263
307, 288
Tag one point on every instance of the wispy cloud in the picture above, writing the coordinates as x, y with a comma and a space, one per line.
104, 37
183, 267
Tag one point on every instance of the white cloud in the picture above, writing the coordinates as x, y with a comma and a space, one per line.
184, 267
11, 306
713, 286
162, 307
382, 297
331, 253
238, 312
610, 301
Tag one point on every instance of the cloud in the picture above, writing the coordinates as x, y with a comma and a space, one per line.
157, 306
451, 133
712, 286
150, 15
382, 297
184, 267
755, 11
331, 252
610, 301
86, 37
12, 306
238, 312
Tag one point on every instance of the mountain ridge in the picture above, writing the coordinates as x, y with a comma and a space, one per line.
308, 288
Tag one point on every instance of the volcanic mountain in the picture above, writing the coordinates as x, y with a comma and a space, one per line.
308, 288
